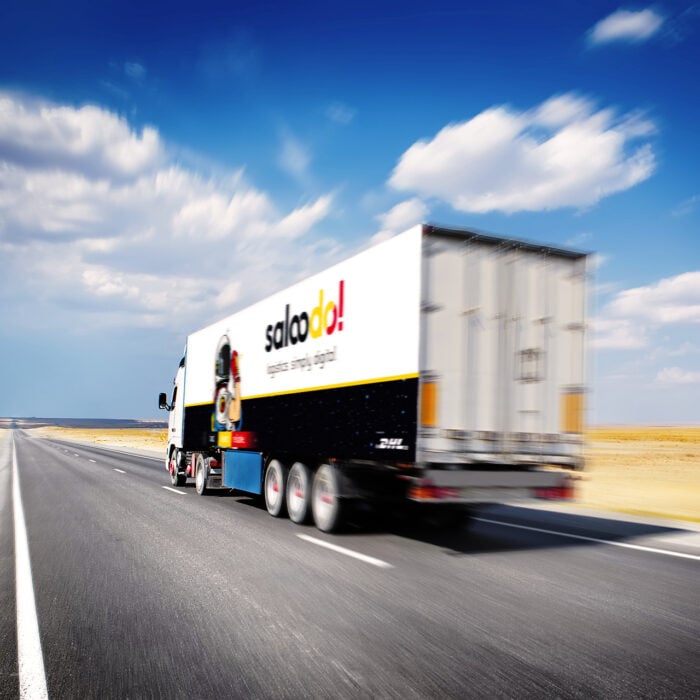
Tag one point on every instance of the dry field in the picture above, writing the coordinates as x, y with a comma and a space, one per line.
643, 470
637, 470
136, 438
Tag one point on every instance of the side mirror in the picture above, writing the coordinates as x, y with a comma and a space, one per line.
163, 401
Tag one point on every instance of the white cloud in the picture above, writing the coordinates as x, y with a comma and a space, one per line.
676, 375
617, 334
404, 215
88, 139
579, 239
562, 153
301, 220
596, 261
136, 239
294, 157
214, 214
669, 301
400, 218
633, 318
626, 26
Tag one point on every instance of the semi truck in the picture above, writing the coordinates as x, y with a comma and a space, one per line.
442, 369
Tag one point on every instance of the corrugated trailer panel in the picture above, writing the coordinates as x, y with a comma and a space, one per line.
501, 351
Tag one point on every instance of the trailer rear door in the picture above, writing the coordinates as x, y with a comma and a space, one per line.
502, 351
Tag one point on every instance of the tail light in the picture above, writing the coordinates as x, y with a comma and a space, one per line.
563, 492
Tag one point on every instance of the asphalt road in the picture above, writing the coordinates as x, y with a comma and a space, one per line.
142, 592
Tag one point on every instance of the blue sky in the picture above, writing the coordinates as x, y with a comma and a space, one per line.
162, 165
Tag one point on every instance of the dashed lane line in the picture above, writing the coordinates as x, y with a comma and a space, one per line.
120, 471
32, 677
167, 488
346, 552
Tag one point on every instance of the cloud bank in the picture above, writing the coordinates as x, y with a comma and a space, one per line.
562, 153
95, 216
633, 315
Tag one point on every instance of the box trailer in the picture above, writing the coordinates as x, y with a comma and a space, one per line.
441, 367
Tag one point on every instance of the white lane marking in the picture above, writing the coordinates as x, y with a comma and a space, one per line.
94, 461
76, 455
121, 471
181, 493
32, 677
612, 543
347, 552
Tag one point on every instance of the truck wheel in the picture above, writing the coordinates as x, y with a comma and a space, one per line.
200, 477
299, 492
275, 488
176, 479
325, 502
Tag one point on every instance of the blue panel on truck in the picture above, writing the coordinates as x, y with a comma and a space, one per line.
243, 470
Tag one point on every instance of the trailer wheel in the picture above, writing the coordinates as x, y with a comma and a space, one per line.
299, 493
176, 479
200, 477
275, 488
325, 502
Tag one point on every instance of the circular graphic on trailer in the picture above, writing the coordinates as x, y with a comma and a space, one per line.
228, 412
222, 364
221, 401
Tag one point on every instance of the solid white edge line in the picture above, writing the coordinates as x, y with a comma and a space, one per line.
32, 677
347, 552
612, 543
121, 471
167, 488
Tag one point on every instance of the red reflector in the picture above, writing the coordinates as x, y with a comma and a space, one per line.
432, 492
556, 492
243, 439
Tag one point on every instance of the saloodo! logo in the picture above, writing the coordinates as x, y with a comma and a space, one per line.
325, 318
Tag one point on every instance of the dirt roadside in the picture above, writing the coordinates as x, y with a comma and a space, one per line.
650, 471
643, 471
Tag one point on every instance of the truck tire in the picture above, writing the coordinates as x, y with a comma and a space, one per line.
326, 504
176, 478
299, 493
275, 487
200, 476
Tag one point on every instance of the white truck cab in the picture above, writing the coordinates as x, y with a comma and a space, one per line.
173, 458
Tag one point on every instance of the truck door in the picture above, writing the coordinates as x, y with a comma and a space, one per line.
176, 412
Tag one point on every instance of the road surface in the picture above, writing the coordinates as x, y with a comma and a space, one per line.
144, 591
